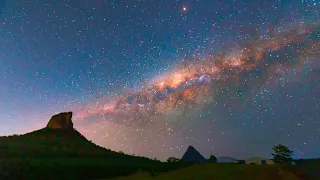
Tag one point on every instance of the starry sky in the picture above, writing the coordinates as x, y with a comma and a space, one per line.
150, 77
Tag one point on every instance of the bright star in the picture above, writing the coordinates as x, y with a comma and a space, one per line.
184, 8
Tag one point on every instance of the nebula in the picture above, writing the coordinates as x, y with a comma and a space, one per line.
196, 82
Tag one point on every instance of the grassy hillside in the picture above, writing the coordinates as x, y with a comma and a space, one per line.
48, 142
308, 167
43, 154
220, 172
77, 168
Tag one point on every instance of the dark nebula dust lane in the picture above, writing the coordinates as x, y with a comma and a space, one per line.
231, 78
196, 82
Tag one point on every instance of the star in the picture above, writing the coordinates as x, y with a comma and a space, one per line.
184, 8
153, 73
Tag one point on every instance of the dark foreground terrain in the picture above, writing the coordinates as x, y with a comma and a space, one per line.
220, 172
66, 154
225, 171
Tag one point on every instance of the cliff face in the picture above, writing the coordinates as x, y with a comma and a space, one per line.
61, 121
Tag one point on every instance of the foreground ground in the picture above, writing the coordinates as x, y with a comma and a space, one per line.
66, 154
225, 172
77, 168
104, 168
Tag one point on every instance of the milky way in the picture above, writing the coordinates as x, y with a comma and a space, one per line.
232, 78
199, 81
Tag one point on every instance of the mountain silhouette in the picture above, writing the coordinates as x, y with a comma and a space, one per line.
59, 147
52, 143
58, 139
192, 155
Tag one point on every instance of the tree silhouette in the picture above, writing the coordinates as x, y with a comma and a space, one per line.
155, 159
282, 154
212, 159
121, 152
173, 160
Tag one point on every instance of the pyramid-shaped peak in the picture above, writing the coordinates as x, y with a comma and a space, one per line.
191, 148
192, 155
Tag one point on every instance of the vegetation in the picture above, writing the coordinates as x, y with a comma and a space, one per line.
45, 153
282, 154
212, 159
173, 160
77, 168
306, 168
224, 171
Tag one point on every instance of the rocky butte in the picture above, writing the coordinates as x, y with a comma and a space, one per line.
61, 121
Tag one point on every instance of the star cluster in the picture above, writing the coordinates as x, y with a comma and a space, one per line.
151, 78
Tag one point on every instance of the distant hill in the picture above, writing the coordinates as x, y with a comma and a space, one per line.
226, 160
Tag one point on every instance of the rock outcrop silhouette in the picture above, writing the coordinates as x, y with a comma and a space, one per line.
57, 140
61, 121
192, 155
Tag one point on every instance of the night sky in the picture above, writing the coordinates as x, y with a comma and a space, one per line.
151, 77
